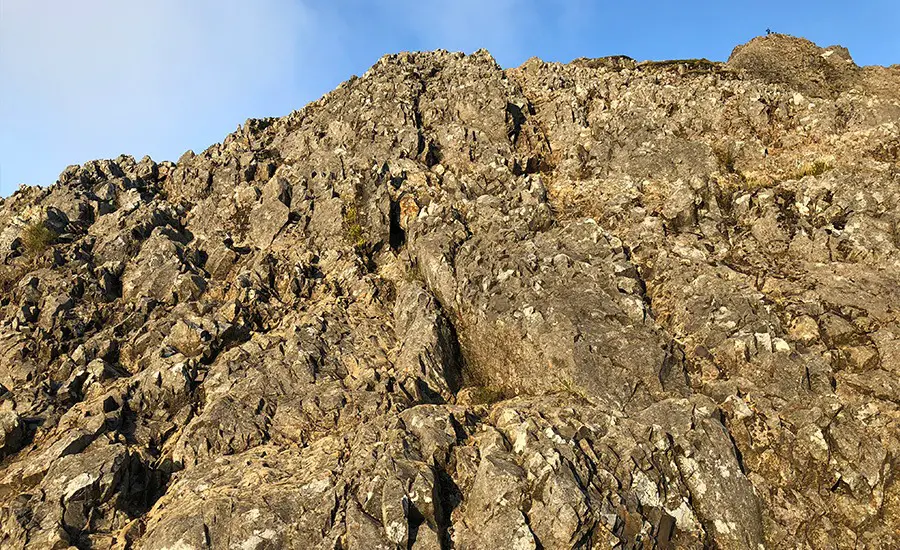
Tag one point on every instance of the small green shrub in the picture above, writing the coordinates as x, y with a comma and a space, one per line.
355, 232
37, 237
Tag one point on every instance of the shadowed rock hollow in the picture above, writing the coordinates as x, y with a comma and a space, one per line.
598, 305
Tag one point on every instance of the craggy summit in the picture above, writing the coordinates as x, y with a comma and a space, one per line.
603, 304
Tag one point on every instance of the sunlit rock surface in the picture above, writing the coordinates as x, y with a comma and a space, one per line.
605, 304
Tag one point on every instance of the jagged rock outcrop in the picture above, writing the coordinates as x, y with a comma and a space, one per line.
606, 304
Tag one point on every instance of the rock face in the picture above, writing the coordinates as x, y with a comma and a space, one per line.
599, 305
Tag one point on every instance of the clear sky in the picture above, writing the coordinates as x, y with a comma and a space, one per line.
85, 79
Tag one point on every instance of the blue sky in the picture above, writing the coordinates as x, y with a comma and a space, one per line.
92, 79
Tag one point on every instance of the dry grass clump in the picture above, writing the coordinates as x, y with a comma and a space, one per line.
812, 168
37, 237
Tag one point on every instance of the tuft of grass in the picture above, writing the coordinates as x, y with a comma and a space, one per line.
814, 168
37, 237
355, 233
744, 182
754, 181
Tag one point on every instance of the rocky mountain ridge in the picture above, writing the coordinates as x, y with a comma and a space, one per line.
604, 304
